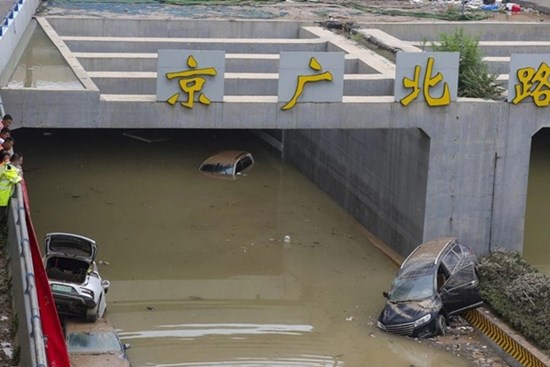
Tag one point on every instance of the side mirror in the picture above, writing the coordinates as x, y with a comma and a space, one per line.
126, 346
386, 294
105, 284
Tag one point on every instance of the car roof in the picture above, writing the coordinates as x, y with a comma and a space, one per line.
225, 157
429, 253
101, 325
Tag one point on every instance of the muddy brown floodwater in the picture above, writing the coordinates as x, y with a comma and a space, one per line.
537, 231
200, 274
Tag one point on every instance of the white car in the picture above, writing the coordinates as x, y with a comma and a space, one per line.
76, 285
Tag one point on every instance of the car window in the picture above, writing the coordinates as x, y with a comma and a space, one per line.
452, 258
221, 169
93, 342
244, 164
412, 288
463, 276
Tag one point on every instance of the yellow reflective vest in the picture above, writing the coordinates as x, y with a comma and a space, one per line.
9, 177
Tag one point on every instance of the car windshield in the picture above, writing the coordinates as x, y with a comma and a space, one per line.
93, 342
218, 168
412, 288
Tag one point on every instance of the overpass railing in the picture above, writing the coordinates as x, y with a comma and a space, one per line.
10, 16
12, 27
30, 335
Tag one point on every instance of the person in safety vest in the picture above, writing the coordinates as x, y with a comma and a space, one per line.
9, 177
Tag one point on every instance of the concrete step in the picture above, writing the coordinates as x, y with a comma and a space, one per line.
235, 63
507, 48
145, 27
261, 84
498, 64
493, 31
153, 44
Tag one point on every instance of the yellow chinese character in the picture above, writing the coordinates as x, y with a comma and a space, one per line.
535, 84
303, 79
429, 82
191, 83
412, 84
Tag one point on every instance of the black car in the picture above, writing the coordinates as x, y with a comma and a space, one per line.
437, 280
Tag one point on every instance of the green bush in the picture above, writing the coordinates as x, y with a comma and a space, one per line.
517, 293
474, 80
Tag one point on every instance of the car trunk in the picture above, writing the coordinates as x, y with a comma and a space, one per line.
66, 269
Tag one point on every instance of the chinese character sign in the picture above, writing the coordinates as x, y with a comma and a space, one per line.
310, 77
529, 79
431, 77
188, 78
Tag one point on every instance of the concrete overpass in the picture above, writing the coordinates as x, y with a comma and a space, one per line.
408, 174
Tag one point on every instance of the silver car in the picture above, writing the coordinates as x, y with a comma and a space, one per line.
228, 164
95, 345
76, 285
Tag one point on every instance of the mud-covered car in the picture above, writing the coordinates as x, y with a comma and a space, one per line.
95, 345
437, 280
228, 164
76, 285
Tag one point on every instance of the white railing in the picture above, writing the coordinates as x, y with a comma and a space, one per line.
28, 311
13, 26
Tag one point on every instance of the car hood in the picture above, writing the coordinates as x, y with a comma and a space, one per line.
98, 360
404, 312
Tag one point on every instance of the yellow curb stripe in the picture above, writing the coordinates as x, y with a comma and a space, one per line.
502, 339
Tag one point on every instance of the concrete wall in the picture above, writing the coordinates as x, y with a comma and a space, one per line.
134, 27
378, 176
487, 31
466, 177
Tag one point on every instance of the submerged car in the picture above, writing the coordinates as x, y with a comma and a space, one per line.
438, 280
76, 285
95, 345
228, 164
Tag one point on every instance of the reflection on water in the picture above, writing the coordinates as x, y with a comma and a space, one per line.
537, 225
42, 66
193, 331
200, 273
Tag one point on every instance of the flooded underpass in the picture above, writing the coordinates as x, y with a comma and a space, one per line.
536, 248
200, 272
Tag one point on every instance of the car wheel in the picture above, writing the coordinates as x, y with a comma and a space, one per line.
91, 314
441, 324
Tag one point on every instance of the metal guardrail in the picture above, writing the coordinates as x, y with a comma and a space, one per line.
36, 343
2, 112
10, 17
